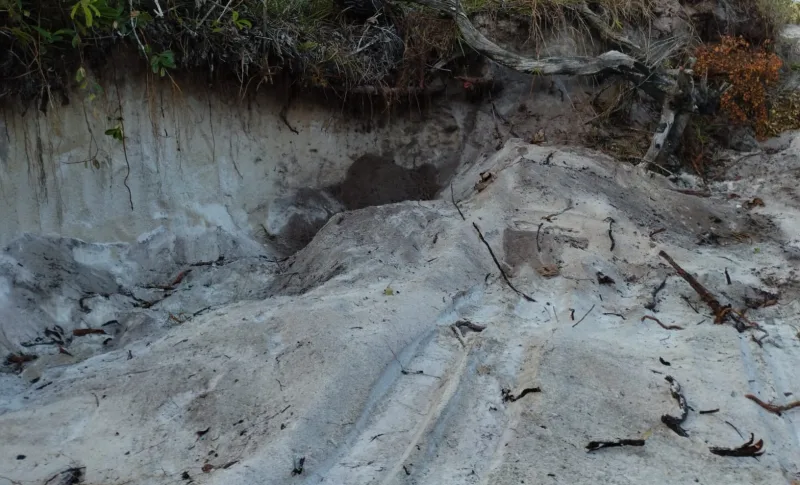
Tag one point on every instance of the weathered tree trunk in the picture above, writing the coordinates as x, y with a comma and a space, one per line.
678, 107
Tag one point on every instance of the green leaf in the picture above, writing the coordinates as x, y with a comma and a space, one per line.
388, 291
88, 14
21, 35
115, 133
45, 34
169, 59
80, 75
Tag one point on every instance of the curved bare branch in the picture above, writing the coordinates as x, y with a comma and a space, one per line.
652, 82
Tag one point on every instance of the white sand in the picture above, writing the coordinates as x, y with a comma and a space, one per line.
306, 358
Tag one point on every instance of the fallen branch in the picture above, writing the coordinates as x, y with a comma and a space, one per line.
665, 327
654, 302
705, 295
579, 321
598, 445
610, 234
655, 83
508, 397
674, 422
720, 312
538, 243
688, 302
773, 408
80, 332
497, 263
747, 449
453, 198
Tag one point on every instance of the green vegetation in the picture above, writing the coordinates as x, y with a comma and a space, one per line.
51, 45
777, 13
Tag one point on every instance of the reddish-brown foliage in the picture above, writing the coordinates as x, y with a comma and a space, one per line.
750, 71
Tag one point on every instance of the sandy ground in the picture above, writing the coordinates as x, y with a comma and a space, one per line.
343, 357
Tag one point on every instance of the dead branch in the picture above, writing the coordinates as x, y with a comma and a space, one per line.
610, 233
497, 263
655, 83
773, 408
586, 315
654, 301
705, 295
509, 397
80, 332
665, 327
453, 198
720, 312
597, 445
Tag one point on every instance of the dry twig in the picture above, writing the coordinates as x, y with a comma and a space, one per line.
773, 408
597, 445
579, 321
666, 327
497, 263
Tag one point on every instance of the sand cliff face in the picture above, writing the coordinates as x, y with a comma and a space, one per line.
297, 289
230, 368
190, 161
